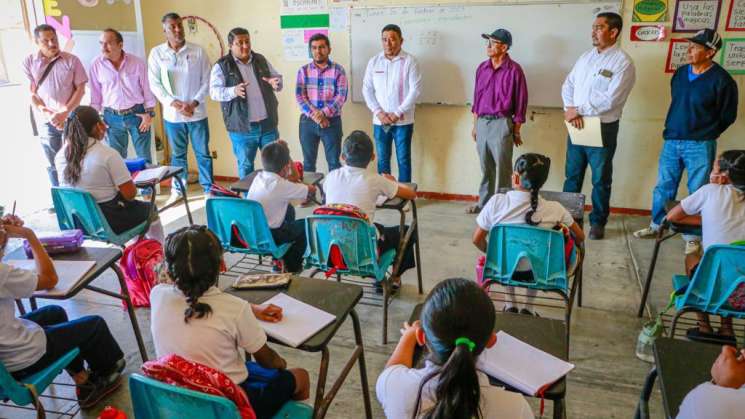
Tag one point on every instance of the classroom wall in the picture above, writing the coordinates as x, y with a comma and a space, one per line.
444, 155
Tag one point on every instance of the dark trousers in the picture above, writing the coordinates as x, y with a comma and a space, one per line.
51, 142
123, 215
291, 231
90, 333
600, 160
389, 238
311, 134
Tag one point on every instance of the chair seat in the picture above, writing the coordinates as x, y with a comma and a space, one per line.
294, 410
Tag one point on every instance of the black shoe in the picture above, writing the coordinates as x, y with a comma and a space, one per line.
527, 312
97, 388
117, 368
597, 232
512, 310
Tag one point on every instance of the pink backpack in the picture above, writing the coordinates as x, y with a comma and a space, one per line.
138, 264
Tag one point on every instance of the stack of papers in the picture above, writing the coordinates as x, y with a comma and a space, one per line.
153, 175
300, 321
589, 135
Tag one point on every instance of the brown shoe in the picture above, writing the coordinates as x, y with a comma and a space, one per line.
473, 209
597, 232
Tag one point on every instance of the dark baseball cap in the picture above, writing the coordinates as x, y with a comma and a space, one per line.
358, 149
502, 35
708, 38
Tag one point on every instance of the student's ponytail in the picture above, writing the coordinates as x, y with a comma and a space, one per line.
78, 128
533, 169
732, 162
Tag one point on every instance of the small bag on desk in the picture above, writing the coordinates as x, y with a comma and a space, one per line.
68, 241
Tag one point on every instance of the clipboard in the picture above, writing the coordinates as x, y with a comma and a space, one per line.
165, 80
589, 135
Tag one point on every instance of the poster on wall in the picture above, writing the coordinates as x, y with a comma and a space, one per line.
650, 11
736, 16
299, 20
648, 33
694, 15
677, 55
732, 57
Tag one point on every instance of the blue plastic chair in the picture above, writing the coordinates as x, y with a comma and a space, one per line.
28, 390
153, 399
720, 272
357, 242
248, 216
76, 208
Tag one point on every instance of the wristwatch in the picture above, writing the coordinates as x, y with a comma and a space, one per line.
150, 112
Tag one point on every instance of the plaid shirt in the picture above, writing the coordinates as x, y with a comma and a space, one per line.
324, 89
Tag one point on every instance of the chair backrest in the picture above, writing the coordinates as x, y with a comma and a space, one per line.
720, 272
152, 399
11, 389
544, 248
76, 208
248, 216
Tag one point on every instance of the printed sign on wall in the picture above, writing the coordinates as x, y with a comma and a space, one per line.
650, 11
677, 55
694, 15
732, 57
648, 33
736, 16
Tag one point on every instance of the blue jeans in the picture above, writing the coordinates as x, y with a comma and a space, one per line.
311, 133
178, 134
697, 157
291, 231
123, 126
600, 160
401, 134
51, 143
245, 145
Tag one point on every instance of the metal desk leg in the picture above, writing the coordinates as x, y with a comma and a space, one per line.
560, 409
642, 409
648, 281
185, 197
319, 408
34, 307
21, 308
361, 362
416, 246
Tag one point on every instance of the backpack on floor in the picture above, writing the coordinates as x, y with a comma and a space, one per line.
138, 263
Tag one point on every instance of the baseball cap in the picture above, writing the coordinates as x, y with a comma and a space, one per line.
502, 35
358, 149
708, 38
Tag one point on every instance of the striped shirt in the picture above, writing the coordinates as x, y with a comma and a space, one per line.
392, 86
319, 88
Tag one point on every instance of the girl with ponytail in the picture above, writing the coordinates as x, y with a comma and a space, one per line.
457, 324
85, 162
191, 317
719, 208
523, 205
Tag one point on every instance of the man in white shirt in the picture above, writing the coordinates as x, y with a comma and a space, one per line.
724, 396
597, 86
391, 87
178, 72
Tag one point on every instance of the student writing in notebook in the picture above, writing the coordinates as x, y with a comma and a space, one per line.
191, 317
457, 324
35, 340
523, 205
87, 163
724, 396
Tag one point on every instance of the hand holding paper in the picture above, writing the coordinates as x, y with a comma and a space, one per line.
588, 132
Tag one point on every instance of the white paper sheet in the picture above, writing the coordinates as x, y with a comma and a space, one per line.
589, 135
300, 321
69, 272
150, 175
338, 18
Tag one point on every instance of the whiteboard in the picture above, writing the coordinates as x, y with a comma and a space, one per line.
87, 47
446, 40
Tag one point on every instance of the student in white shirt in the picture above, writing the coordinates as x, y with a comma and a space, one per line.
719, 208
275, 194
391, 86
523, 205
37, 339
87, 163
724, 396
179, 75
191, 317
456, 325
352, 184
598, 85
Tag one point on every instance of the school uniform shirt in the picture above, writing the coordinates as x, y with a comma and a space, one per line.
356, 186
397, 389
188, 76
392, 86
274, 193
22, 342
219, 340
721, 208
102, 171
600, 83
709, 400
511, 207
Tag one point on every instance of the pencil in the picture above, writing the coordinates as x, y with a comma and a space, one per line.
14, 208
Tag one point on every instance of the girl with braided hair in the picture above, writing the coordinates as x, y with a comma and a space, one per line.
523, 205
191, 317
87, 163
719, 208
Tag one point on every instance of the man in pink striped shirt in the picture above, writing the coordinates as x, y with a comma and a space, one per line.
119, 87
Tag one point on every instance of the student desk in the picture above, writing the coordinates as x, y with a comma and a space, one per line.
105, 258
309, 178
172, 173
338, 299
681, 365
544, 334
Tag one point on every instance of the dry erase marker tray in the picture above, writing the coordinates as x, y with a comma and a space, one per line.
262, 281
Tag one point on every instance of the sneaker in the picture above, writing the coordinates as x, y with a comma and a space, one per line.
693, 247
597, 232
646, 233
526, 312
512, 310
175, 197
96, 389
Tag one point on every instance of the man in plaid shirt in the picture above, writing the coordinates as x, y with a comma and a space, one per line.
321, 92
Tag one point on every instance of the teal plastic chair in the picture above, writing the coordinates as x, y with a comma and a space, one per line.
248, 217
27, 391
153, 399
76, 208
356, 241
720, 272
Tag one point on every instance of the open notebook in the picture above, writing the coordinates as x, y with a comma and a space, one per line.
151, 175
522, 366
300, 321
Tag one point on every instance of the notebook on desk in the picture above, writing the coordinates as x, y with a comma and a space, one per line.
69, 272
522, 366
300, 321
151, 175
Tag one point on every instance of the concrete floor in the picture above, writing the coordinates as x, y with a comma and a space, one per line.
607, 379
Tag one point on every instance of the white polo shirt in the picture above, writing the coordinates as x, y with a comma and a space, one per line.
102, 171
274, 193
358, 187
709, 401
217, 340
188, 76
511, 207
392, 86
22, 342
721, 208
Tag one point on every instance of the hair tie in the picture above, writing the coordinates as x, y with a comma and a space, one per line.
467, 342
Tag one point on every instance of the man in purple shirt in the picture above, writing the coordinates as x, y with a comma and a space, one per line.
500, 99
120, 87
57, 83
